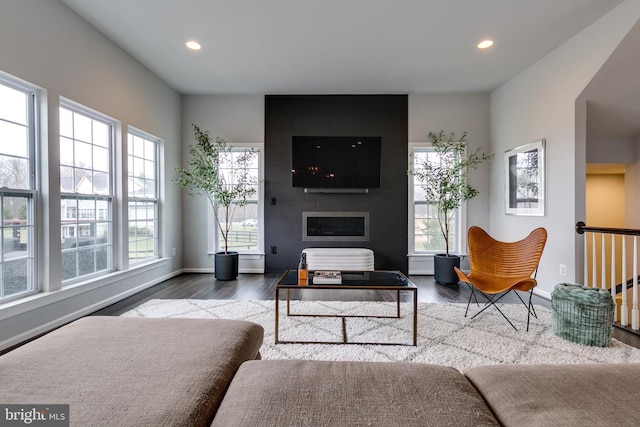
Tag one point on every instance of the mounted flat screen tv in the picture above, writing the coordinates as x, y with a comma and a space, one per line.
336, 162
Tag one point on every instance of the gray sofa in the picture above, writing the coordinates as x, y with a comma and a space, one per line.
194, 372
120, 371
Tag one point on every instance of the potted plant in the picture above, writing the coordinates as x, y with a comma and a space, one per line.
203, 175
444, 181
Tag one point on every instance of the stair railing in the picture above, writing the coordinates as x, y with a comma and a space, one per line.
591, 237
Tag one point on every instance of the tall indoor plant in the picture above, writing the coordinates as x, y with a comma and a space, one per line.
444, 181
203, 175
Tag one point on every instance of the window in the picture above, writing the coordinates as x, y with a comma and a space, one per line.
17, 190
427, 236
143, 196
86, 192
244, 232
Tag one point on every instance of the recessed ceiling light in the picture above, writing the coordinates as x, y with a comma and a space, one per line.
193, 45
484, 44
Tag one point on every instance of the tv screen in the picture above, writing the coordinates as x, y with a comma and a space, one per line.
336, 161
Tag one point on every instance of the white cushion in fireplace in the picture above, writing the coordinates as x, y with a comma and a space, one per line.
342, 259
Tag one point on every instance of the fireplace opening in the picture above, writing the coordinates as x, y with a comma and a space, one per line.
335, 226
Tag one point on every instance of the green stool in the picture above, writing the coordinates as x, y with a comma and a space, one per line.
581, 314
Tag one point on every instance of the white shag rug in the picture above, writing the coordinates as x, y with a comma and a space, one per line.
445, 336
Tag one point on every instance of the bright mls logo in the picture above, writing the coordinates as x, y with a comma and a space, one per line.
36, 415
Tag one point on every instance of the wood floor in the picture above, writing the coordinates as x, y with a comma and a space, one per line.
262, 287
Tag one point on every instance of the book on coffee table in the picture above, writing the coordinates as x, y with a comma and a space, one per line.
327, 277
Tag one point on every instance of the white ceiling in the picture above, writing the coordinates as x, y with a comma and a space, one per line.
338, 46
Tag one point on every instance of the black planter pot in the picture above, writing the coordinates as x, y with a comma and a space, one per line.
226, 265
443, 268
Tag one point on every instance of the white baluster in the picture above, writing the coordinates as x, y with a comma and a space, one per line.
634, 311
594, 261
613, 274
603, 264
624, 308
586, 261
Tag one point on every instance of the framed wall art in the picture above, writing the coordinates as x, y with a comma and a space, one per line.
525, 183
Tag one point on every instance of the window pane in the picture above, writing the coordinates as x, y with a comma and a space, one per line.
86, 261
101, 183
428, 236
85, 146
17, 169
14, 105
16, 259
81, 127
66, 179
14, 172
149, 169
83, 156
66, 123
86, 236
69, 270
243, 234
66, 151
100, 134
101, 159
82, 181
15, 276
14, 139
426, 227
138, 167
143, 211
150, 151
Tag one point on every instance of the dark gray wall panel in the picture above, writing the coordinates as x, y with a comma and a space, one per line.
336, 115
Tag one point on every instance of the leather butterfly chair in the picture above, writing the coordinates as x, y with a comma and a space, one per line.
498, 268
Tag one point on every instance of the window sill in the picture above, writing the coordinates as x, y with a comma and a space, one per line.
42, 299
244, 254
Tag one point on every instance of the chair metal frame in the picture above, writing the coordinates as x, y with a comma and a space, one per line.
497, 268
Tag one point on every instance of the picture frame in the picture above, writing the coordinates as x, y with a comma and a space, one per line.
525, 179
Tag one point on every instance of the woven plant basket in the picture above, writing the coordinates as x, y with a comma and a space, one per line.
581, 314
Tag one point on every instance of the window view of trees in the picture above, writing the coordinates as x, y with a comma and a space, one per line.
143, 197
243, 234
426, 228
16, 191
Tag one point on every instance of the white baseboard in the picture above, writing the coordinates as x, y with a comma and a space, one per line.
70, 317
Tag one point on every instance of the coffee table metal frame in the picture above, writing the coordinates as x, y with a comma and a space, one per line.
410, 287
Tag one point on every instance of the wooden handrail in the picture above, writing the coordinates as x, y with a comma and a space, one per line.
581, 228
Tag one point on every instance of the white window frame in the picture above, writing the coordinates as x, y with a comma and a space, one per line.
421, 261
30, 193
133, 132
212, 230
110, 198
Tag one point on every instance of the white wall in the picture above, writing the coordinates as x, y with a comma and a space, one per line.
632, 195
455, 113
458, 113
236, 118
46, 44
541, 103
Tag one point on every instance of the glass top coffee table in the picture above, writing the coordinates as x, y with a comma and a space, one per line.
354, 280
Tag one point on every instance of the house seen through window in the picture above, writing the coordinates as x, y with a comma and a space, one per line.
143, 196
86, 192
17, 190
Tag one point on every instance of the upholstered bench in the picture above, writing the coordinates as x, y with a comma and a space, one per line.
317, 393
123, 371
598, 394
342, 259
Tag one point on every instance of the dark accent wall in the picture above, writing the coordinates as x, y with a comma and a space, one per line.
336, 115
